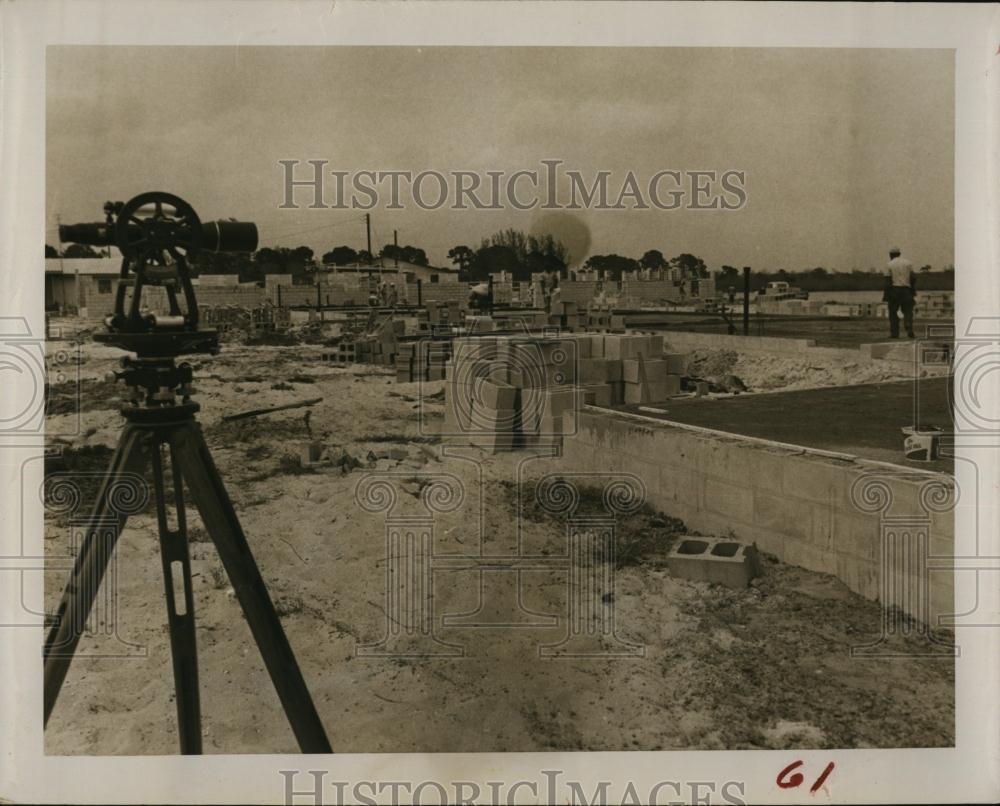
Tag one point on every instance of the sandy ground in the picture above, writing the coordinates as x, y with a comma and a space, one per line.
768, 667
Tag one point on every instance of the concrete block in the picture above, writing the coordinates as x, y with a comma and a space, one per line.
715, 560
655, 345
806, 555
789, 516
613, 347
731, 500
632, 370
583, 347
309, 453
662, 389
636, 394
599, 370
558, 400
596, 347
597, 394
677, 488
496, 442
857, 536
494, 394
676, 363
634, 346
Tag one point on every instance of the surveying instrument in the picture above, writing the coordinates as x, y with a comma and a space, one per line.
157, 234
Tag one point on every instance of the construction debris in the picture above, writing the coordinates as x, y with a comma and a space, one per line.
257, 412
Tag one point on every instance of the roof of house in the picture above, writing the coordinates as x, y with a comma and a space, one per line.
83, 265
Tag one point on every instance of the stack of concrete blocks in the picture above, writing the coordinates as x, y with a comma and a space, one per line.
935, 305
636, 369
423, 360
507, 392
566, 315
443, 313
531, 388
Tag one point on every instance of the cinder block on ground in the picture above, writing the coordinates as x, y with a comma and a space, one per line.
716, 560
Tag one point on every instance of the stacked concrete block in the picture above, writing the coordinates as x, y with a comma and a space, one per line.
424, 360
550, 378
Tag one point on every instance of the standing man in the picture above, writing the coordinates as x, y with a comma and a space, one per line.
900, 292
480, 298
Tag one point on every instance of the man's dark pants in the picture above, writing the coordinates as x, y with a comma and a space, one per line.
900, 299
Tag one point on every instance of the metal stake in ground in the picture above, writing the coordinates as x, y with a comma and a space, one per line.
156, 232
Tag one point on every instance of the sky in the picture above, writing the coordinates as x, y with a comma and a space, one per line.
845, 152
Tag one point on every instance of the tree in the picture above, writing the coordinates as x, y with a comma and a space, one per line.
653, 259
690, 265
730, 273
538, 262
80, 250
612, 266
409, 254
461, 256
522, 245
340, 256
925, 269
819, 271
495, 259
51, 251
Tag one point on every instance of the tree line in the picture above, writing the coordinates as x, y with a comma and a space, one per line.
522, 255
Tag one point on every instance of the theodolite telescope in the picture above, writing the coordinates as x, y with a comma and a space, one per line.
157, 234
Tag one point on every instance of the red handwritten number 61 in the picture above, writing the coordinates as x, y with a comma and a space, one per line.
787, 781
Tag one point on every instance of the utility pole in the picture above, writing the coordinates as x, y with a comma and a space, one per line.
746, 300
368, 231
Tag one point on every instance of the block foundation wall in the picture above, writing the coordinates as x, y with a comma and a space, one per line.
808, 509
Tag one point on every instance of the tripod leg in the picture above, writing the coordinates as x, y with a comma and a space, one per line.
206, 488
99, 538
180, 613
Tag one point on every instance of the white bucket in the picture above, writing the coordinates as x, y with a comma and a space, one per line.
921, 446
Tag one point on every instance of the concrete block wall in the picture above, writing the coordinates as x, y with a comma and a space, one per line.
445, 292
246, 296
652, 292
795, 504
97, 305
578, 291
